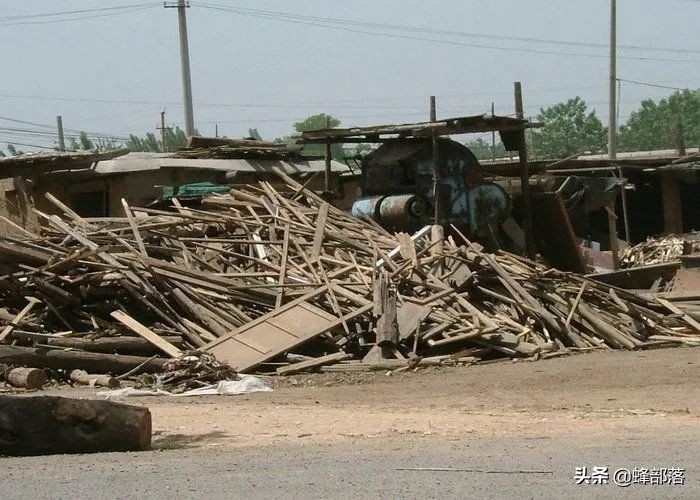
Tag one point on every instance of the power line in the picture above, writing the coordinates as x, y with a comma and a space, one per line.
70, 12
295, 104
343, 26
417, 29
24, 144
646, 84
79, 18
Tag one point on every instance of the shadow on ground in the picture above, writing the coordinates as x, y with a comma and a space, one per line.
180, 441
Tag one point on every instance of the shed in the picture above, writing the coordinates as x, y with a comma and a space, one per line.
92, 184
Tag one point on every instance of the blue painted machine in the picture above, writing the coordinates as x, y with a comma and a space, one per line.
398, 189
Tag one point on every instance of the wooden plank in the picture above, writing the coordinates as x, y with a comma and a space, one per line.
283, 267
134, 228
554, 234
310, 364
20, 316
146, 333
320, 231
676, 310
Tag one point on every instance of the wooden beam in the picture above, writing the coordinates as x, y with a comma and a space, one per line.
146, 333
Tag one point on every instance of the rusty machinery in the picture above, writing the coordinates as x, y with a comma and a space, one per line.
398, 189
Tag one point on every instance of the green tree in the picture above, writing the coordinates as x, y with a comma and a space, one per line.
254, 134
175, 138
316, 122
483, 150
569, 128
85, 142
13, 150
653, 126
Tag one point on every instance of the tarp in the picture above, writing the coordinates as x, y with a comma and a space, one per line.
247, 385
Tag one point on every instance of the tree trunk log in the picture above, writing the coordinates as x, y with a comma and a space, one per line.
85, 378
122, 345
28, 378
45, 425
70, 360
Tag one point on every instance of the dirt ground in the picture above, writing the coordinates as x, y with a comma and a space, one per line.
623, 394
508, 430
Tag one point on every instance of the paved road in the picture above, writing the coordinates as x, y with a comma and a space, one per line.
365, 469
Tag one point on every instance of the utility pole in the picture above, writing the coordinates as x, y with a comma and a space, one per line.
61, 140
164, 146
612, 125
493, 133
181, 5
327, 178
216, 130
524, 175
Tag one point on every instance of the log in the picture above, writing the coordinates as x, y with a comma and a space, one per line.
70, 360
121, 345
84, 378
27, 378
313, 363
45, 425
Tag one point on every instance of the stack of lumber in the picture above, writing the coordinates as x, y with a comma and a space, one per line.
659, 250
267, 279
240, 153
246, 149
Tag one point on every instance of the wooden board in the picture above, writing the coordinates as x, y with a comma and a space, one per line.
149, 335
279, 331
554, 235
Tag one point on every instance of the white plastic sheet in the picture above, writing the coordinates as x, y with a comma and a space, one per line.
247, 385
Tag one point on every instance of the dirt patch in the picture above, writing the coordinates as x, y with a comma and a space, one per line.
617, 393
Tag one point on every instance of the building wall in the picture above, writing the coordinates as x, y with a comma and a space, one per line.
142, 188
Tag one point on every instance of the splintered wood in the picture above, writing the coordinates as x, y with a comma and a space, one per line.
660, 250
263, 278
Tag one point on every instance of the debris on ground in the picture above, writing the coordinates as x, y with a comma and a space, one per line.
271, 276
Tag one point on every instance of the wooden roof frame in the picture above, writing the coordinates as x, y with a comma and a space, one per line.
450, 126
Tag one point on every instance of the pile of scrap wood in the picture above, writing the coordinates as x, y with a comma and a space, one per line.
267, 279
245, 149
660, 250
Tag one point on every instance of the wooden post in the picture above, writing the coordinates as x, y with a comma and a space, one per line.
625, 212
437, 174
612, 227
524, 176
327, 184
671, 200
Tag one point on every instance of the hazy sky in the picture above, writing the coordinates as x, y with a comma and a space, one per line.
253, 71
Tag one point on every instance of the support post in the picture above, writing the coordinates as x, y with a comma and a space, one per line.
625, 211
59, 128
493, 134
524, 176
612, 124
612, 228
327, 183
437, 174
